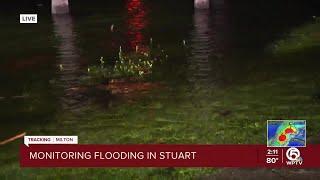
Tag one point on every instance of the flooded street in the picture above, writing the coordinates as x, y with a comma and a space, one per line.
230, 67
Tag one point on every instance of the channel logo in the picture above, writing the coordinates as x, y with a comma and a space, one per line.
294, 157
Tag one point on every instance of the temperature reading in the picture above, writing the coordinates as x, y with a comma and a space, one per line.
272, 160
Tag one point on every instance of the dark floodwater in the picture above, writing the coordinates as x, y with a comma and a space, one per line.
221, 43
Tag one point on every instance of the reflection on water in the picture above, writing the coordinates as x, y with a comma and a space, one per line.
207, 46
68, 61
201, 47
136, 21
60, 6
202, 4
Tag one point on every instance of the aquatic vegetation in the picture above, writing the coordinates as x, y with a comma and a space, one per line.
132, 66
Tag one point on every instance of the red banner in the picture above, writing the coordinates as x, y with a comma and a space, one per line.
168, 156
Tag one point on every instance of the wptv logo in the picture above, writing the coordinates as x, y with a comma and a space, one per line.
293, 157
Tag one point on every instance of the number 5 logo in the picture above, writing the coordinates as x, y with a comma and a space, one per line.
293, 154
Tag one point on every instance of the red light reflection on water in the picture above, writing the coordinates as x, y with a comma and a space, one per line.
136, 22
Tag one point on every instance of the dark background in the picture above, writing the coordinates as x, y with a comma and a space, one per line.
32, 6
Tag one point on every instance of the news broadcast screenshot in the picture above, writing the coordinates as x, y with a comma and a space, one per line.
160, 89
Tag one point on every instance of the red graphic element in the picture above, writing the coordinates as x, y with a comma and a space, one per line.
289, 131
136, 22
175, 156
282, 137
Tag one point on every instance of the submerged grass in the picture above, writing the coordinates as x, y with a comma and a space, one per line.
136, 66
178, 116
299, 40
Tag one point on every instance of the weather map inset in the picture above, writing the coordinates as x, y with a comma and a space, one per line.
286, 133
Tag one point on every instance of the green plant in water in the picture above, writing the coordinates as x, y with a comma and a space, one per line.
137, 65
